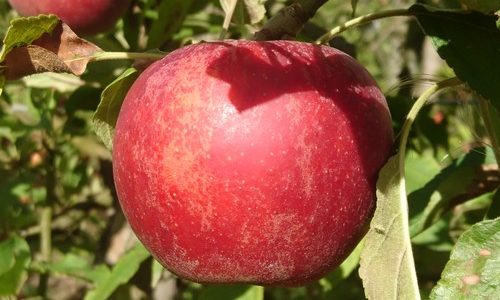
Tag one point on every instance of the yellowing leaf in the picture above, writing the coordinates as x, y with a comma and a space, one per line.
23, 31
61, 51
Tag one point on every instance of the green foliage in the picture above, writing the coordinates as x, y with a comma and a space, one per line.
453, 181
50, 155
15, 257
470, 44
472, 272
387, 263
170, 15
236, 292
106, 115
24, 31
124, 269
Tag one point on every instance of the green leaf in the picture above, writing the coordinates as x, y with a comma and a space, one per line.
430, 202
7, 260
124, 269
171, 15
2, 83
330, 281
104, 119
61, 51
236, 292
386, 265
436, 237
419, 168
23, 31
470, 44
15, 257
494, 209
156, 272
76, 266
473, 271
61, 82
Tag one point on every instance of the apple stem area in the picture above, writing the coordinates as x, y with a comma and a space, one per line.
126, 55
103, 56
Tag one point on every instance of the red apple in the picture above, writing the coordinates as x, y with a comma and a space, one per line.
83, 16
255, 162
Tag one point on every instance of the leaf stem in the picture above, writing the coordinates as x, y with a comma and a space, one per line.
417, 106
45, 245
102, 56
486, 111
46, 215
362, 20
126, 55
405, 131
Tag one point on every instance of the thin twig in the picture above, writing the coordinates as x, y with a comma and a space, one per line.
362, 20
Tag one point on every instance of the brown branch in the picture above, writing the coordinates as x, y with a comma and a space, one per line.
289, 21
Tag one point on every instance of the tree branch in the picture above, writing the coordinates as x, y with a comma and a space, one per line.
289, 21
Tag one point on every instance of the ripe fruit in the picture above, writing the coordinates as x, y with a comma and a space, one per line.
244, 161
83, 16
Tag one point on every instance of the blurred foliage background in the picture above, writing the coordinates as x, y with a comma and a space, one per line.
52, 163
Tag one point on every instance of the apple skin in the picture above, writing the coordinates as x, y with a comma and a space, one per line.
251, 162
84, 17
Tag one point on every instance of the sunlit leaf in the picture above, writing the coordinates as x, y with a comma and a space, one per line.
15, 256
430, 202
236, 292
470, 44
330, 281
420, 167
171, 14
104, 119
76, 266
121, 273
386, 262
473, 271
156, 272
